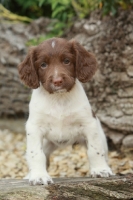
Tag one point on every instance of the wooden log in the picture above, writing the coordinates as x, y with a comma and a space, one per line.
113, 188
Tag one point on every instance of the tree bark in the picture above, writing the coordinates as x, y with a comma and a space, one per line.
117, 187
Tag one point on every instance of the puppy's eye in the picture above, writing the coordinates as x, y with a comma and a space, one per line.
66, 61
43, 65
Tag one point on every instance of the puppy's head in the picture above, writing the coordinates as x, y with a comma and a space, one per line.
56, 63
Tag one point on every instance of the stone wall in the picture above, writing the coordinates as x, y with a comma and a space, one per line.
14, 96
111, 90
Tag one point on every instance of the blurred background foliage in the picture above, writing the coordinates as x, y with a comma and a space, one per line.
64, 11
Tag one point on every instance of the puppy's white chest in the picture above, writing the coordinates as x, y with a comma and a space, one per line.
64, 129
61, 118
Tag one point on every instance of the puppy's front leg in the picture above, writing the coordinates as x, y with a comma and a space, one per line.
35, 156
97, 150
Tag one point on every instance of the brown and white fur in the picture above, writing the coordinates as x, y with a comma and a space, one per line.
59, 111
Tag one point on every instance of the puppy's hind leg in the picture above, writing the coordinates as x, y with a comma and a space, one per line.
48, 148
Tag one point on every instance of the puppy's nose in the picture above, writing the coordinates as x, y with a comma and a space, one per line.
57, 81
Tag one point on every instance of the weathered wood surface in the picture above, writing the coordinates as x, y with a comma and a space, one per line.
117, 187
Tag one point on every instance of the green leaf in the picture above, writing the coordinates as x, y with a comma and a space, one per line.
58, 11
54, 4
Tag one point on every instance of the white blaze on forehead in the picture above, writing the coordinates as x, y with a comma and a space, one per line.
53, 44
55, 73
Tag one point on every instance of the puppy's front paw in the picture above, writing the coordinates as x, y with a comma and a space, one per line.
37, 178
101, 172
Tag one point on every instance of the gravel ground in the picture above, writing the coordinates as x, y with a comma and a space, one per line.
68, 162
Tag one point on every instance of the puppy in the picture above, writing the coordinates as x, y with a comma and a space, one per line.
59, 111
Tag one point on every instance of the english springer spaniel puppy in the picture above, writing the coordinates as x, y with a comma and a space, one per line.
59, 110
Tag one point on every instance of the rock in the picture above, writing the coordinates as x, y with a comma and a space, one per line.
130, 71
111, 90
116, 137
128, 141
13, 38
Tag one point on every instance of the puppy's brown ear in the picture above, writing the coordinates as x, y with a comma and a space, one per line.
86, 64
27, 70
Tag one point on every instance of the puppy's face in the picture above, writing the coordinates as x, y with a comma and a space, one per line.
56, 63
